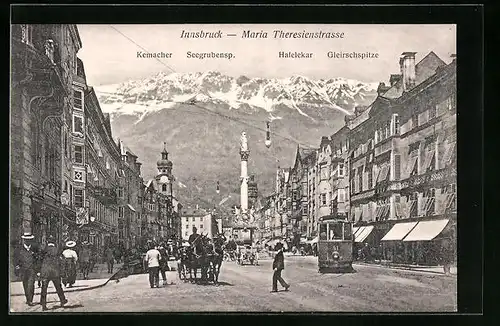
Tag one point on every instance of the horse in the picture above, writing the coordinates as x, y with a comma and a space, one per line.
217, 258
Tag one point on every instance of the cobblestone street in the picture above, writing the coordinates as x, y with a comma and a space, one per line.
247, 288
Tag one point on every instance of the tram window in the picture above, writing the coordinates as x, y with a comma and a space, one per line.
322, 231
335, 231
347, 231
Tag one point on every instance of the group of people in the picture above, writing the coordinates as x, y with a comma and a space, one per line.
51, 264
156, 260
32, 262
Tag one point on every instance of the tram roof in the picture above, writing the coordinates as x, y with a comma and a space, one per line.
329, 219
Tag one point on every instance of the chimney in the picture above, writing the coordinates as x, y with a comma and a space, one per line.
394, 79
382, 88
408, 66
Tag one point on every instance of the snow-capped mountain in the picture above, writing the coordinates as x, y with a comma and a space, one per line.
201, 116
310, 98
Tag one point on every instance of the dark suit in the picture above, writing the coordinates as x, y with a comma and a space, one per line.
51, 271
195, 238
28, 263
278, 266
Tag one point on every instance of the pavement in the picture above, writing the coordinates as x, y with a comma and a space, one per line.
247, 289
98, 277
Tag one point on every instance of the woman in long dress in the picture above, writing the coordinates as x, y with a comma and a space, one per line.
70, 259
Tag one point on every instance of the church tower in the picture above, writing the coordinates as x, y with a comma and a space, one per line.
164, 178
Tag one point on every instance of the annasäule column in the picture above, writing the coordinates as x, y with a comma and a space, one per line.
244, 153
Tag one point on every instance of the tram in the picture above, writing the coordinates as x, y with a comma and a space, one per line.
335, 245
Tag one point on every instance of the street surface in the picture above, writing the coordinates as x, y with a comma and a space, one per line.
247, 288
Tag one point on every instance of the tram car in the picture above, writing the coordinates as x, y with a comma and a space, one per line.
335, 245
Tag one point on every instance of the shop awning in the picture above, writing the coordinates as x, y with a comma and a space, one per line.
355, 229
426, 230
399, 231
363, 234
131, 208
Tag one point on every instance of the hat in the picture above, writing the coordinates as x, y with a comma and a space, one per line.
27, 236
70, 244
278, 246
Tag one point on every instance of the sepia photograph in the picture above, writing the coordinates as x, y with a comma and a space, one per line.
233, 168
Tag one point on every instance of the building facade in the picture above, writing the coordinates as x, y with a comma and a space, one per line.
204, 221
391, 169
43, 69
100, 157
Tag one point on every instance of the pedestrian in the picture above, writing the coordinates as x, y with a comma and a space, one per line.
51, 272
278, 267
110, 259
152, 259
70, 259
163, 263
27, 262
85, 254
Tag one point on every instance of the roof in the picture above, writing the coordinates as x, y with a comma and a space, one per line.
305, 152
424, 69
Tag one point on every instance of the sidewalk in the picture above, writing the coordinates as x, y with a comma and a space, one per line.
430, 269
97, 278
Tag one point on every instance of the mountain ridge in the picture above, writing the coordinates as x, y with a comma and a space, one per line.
201, 116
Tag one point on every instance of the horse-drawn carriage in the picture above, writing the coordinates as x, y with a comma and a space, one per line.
247, 254
205, 255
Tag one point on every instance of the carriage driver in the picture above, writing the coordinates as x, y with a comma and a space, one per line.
194, 240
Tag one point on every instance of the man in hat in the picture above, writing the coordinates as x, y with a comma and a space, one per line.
27, 265
194, 240
163, 262
70, 260
50, 272
278, 267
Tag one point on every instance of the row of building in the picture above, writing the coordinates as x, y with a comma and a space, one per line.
69, 177
391, 170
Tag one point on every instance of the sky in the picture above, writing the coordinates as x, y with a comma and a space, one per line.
109, 52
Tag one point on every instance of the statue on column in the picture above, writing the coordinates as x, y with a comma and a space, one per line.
243, 142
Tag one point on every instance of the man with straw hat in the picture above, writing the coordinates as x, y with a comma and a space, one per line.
27, 265
70, 259
51, 272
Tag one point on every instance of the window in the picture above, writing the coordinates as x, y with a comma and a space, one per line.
341, 195
396, 125
78, 154
78, 198
185, 234
412, 167
120, 192
384, 171
323, 199
304, 210
451, 197
187, 219
360, 179
429, 162
164, 187
78, 124
201, 226
397, 167
120, 212
429, 202
432, 112
77, 100
324, 172
341, 169
187, 227
194, 219
448, 156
